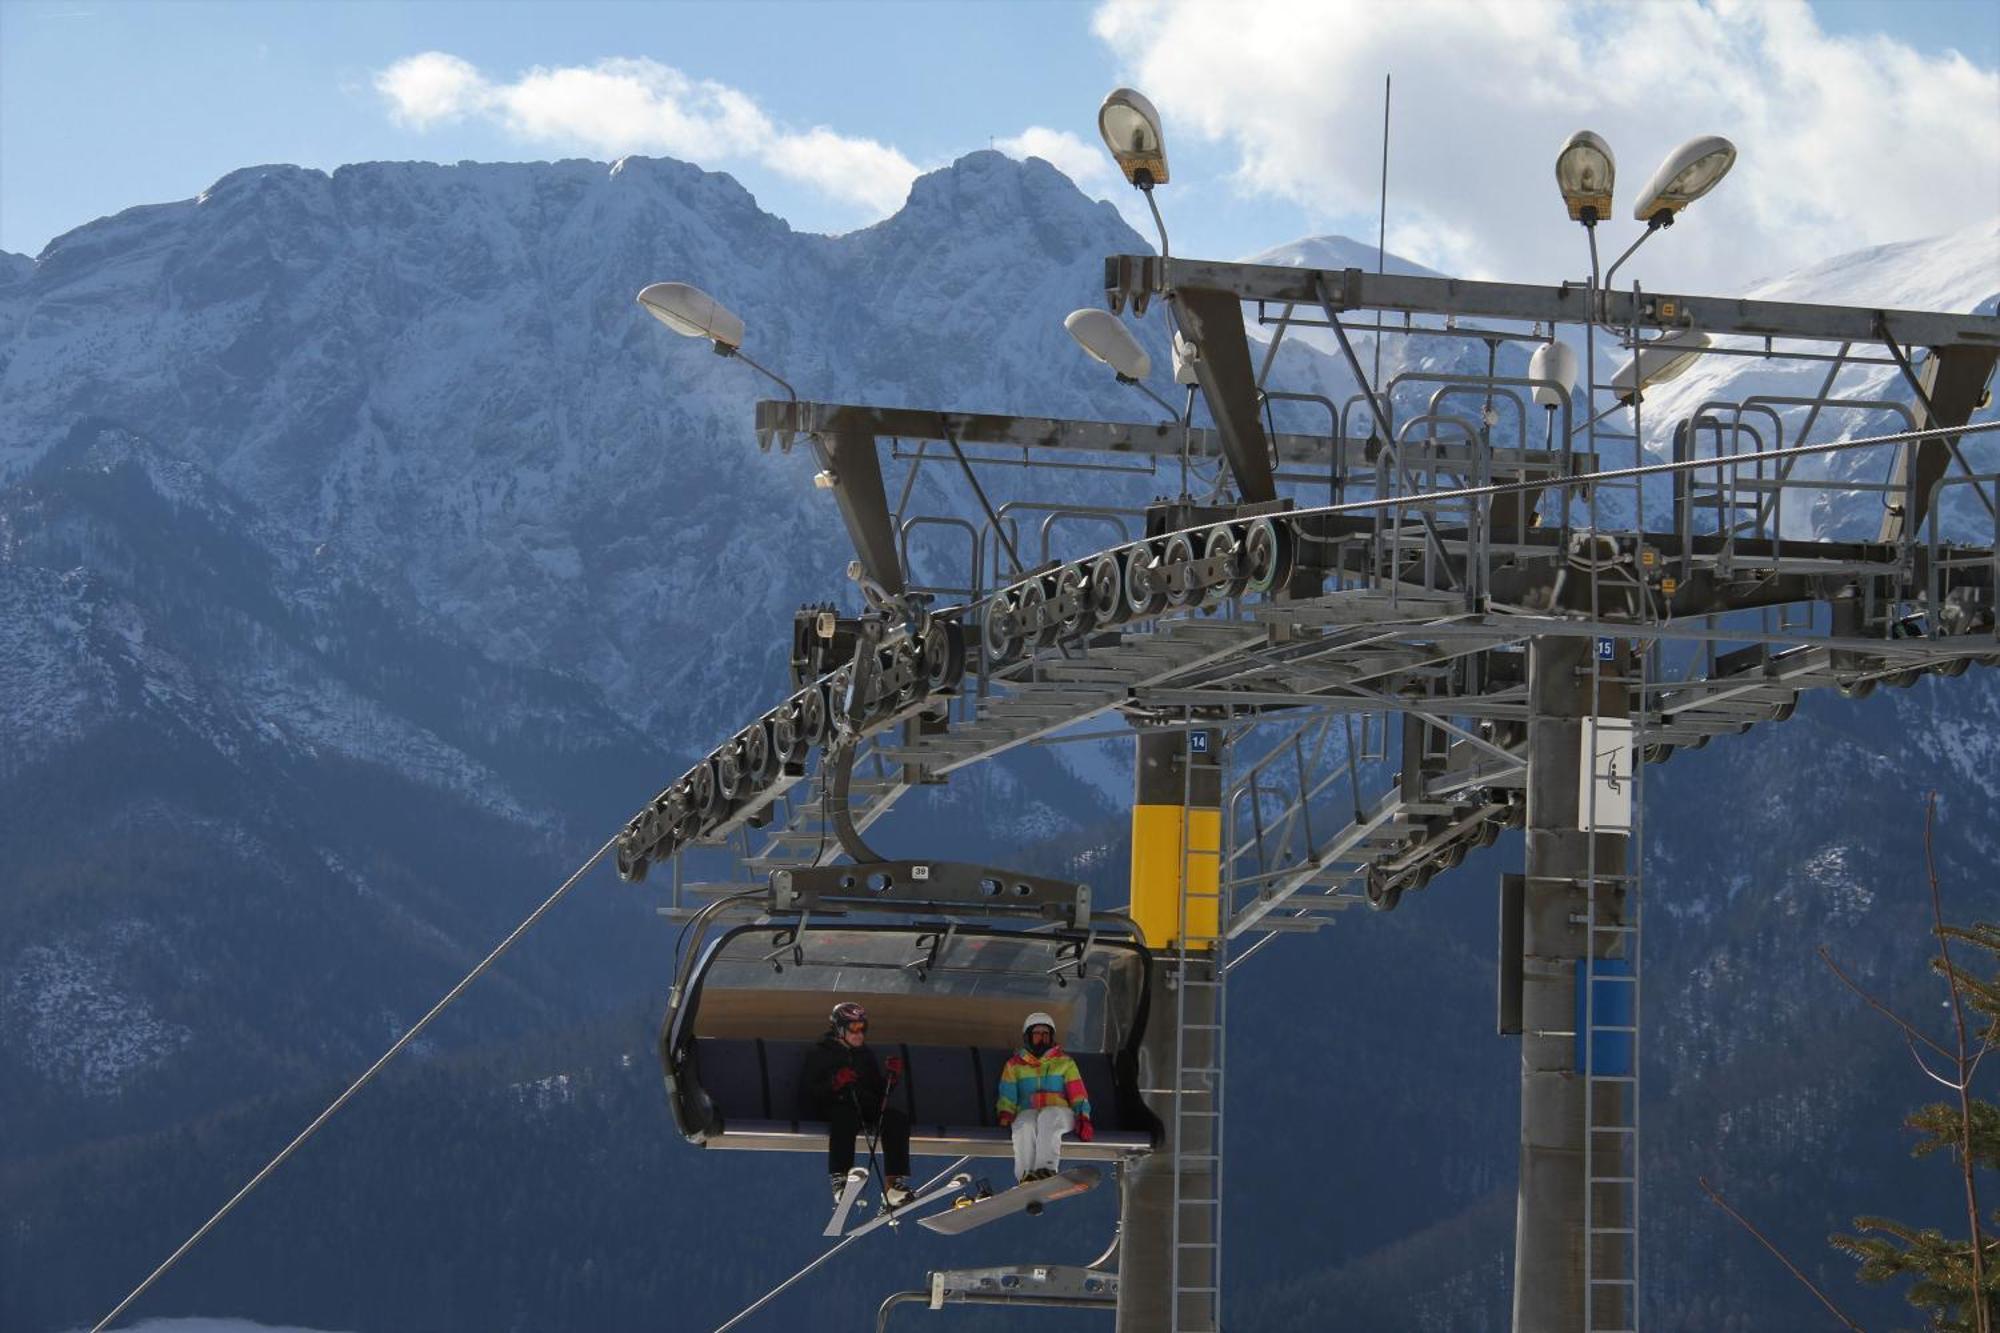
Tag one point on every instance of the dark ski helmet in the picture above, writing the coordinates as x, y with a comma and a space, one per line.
847, 1011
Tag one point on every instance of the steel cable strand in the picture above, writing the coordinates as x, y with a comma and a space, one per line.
822, 1257
338, 1102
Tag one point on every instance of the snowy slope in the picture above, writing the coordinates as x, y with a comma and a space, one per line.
1959, 272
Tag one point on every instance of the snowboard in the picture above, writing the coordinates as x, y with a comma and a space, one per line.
966, 1214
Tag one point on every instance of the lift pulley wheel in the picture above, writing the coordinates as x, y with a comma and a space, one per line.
1262, 555
1144, 594
1220, 550
1107, 589
1182, 579
729, 770
702, 788
1075, 612
1032, 607
997, 636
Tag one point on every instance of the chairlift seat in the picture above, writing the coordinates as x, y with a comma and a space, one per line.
948, 1091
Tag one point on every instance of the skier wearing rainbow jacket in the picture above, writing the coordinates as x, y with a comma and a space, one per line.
1042, 1098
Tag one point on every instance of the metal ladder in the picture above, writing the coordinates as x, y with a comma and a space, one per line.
1608, 1050
1609, 973
1199, 969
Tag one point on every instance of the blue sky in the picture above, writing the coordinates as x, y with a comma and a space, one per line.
1272, 111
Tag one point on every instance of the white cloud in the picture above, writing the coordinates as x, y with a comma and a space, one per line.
1085, 163
429, 88
1844, 141
641, 106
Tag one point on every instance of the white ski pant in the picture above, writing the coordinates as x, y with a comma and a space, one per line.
1038, 1138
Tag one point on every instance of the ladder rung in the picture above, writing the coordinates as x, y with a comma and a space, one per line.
1614, 1180
1613, 1231
1614, 1078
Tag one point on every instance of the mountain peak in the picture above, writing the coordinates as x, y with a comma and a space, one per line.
1337, 252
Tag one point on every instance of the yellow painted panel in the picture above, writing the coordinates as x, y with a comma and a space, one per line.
1156, 874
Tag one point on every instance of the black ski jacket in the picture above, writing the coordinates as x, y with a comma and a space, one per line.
828, 1057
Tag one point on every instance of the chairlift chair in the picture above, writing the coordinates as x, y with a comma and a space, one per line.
947, 997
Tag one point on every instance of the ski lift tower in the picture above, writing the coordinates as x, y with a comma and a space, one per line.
1350, 658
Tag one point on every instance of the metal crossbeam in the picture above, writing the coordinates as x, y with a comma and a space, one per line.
1127, 276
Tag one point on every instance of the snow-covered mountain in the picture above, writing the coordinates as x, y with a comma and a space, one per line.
366, 555
436, 378
1958, 273
321, 494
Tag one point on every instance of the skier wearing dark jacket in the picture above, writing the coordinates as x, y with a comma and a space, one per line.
843, 1085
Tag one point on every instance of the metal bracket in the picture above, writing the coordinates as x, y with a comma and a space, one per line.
905, 886
1027, 1282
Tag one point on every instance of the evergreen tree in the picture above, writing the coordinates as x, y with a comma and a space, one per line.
1943, 1266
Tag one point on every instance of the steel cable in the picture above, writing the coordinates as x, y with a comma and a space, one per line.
357, 1084
832, 1250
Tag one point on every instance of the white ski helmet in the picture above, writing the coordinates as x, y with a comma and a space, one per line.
1035, 1020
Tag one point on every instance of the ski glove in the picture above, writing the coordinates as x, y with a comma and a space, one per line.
1083, 1129
894, 1065
843, 1079
1006, 1119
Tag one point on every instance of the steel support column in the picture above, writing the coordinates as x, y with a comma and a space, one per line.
1550, 1246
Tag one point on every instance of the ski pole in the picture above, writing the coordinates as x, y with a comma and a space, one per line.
874, 1166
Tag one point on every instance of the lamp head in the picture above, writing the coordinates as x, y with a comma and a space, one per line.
1553, 361
693, 313
1104, 337
1666, 357
1585, 170
1688, 173
1131, 130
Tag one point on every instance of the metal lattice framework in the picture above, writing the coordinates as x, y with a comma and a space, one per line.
1409, 638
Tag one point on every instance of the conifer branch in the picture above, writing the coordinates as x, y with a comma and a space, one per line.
1909, 1029
1981, 1310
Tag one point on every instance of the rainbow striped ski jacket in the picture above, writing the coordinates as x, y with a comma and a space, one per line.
1029, 1082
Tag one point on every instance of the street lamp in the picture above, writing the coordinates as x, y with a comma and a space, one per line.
1131, 129
1688, 173
1665, 358
693, 313
1130, 126
1104, 337
1585, 170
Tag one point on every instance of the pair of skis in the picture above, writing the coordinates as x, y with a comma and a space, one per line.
850, 1194
967, 1210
